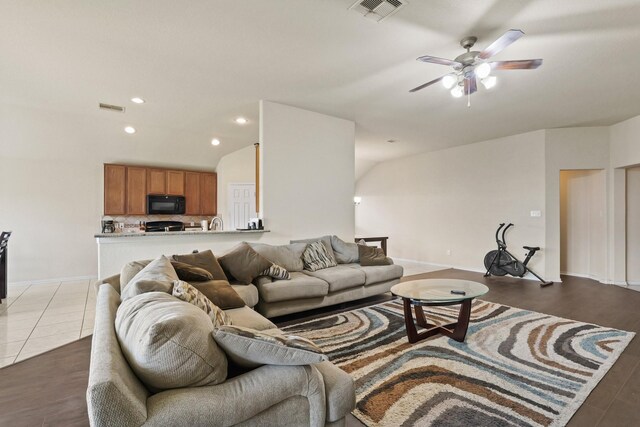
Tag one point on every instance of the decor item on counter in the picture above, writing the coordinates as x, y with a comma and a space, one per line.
108, 226
158, 275
168, 343
185, 292
370, 255
316, 257
525, 367
4, 249
277, 272
250, 348
206, 260
243, 263
205, 225
221, 293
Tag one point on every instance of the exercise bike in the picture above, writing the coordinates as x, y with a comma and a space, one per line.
500, 262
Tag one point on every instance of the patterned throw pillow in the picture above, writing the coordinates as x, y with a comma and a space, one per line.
316, 257
186, 292
276, 272
250, 348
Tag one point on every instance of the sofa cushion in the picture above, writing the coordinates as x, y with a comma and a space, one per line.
206, 260
186, 272
220, 293
340, 277
187, 293
345, 252
249, 318
326, 241
248, 293
157, 276
250, 348
243, 263
381, 273
370, 255
168, 342
300, 285
317, 257
286, 256
340, 390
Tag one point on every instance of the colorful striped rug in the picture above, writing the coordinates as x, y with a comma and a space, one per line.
516, 368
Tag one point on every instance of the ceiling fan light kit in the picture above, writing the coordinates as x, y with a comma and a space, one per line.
473, 65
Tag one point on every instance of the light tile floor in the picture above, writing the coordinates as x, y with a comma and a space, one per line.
414, 267
37, 318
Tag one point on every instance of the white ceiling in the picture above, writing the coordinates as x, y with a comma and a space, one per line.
200, 63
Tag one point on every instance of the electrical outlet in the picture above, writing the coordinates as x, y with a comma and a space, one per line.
536, 214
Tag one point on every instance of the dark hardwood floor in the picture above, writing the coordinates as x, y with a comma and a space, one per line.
49, 389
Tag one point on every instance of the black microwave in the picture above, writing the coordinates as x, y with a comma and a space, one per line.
158, 204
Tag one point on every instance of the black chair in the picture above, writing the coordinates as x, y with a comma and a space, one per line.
4, 240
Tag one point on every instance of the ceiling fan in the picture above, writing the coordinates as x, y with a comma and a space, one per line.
473, 65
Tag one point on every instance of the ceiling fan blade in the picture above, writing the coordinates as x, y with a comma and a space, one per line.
441, 61
470, 86
503, 41
523, 64
415, 89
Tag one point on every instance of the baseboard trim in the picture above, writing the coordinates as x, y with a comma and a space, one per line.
633, 283
585, 276
54, 280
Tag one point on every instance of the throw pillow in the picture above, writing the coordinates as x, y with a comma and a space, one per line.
316, 257
286, 256
250, 348
206, 260
158, 275
276, 272
326, 240
168, 343
243, 263
191, 273
221, 293
346, 253
370, 255
185, 292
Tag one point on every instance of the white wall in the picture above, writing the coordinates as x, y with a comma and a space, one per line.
236, 167
625, 143
307, 173
568, 149
633, 226
583, 225
51, 183
454, 200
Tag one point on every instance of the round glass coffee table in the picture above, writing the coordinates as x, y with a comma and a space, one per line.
437, 292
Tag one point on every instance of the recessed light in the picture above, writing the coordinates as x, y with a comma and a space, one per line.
137, 100
215, 141
392, 141
241, 121
130, 130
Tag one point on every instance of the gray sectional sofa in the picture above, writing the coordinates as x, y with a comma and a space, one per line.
319, 394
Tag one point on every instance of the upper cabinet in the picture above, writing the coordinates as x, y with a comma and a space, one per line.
115, 182
126, 189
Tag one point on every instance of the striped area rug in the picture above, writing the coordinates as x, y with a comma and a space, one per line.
516, 368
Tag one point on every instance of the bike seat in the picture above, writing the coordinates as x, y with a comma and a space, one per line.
531, 248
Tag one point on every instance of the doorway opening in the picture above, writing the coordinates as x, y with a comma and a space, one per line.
241, 204
583, 224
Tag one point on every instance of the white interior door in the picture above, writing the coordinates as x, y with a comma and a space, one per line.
242, 204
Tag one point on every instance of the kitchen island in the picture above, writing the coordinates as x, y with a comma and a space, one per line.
117, 249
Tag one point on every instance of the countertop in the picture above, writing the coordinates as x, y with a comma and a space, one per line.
175, 233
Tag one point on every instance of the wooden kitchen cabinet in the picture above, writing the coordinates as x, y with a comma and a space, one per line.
115, 180
208, 193
156, 181
136, 190
175, 183
192, 193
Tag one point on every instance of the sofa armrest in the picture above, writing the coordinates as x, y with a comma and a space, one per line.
114, 281
240, 398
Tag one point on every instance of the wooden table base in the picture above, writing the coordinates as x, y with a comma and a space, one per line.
456, 331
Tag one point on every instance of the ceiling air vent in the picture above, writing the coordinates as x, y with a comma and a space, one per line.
378, 10
109, 107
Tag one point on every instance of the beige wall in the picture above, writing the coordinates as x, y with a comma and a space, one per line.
454, 200
307, 173
583, 224
236, 167
633, 226
51, 183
